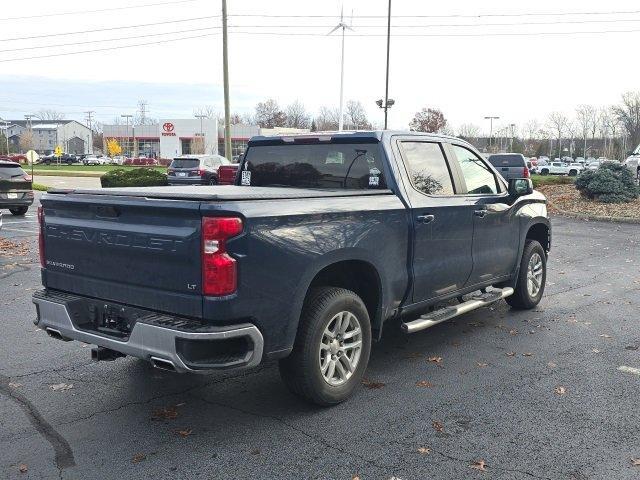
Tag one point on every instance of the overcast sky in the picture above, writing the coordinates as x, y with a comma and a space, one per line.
467, 67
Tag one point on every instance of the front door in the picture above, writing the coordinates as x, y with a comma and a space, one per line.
495, 230
442, 222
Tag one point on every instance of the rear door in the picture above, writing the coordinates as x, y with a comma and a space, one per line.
442, 222
495, 231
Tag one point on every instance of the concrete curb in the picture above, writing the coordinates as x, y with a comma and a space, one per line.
600, 218
66, 173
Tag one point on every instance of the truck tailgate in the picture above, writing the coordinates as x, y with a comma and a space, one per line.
136, 251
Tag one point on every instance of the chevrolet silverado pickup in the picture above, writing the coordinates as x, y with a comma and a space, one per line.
323, 238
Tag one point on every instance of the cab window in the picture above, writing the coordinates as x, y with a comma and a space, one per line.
427, 168
477, 175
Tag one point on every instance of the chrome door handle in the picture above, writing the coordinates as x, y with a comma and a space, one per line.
425, 218
480, 213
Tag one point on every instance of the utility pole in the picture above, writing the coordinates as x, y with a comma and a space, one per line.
29, 125
512, 132
491, 119
386, 88
6, 133
225, 72
127, 117
200, 116
90, 146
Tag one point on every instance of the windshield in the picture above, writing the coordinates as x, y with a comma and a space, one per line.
8, 171
352, 166
185, 163
506, 160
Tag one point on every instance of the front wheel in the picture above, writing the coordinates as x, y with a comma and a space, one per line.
544, 171
19, 211
532, 277
332, 347
573, 173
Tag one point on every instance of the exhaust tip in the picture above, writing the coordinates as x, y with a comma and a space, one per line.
53, 333
163, 364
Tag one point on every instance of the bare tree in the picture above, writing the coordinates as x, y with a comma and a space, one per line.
468, 131
356, 116
327, 119
197, 146
628, 114
208, 111
557, 123
585, 115
47, 114
429, 120
269, 115
26, 141
297, 115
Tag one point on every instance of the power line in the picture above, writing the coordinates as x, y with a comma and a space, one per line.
481, 15
100, 10
109, 28
133, 37
117, 47
492, 34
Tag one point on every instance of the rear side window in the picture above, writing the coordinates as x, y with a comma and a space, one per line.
506, 160
427, 168
185, 163
334, 166
477, 175
8, 171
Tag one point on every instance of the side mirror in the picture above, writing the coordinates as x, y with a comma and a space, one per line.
520, 186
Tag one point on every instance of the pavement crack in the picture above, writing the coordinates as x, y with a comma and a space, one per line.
63, 453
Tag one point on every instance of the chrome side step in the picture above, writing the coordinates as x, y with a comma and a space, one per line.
477, 301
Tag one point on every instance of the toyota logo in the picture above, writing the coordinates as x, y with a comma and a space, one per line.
168, 127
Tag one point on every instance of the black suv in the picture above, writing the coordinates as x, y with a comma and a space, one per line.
195, 169
16, 192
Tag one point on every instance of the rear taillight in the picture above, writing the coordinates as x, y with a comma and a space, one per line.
219, 269
27, 178
526, 174
41, 234
202, 172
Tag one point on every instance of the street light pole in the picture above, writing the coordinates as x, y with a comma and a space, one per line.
386, 89
225, 72
491, 119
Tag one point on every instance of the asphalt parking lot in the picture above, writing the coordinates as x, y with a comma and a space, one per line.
546, 394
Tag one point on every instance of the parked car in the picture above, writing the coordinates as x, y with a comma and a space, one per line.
322, 239
118, 160
95, 160
16, 191
510, 165
227, 174
542, 159
561, 168
590, 160
52, 159
633, 163
195, 169
580, 160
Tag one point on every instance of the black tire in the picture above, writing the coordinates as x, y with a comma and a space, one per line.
301, 371
213, 181
19, 211
573, 173
521, 298
544, 171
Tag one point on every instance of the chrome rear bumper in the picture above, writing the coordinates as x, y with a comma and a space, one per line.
152, 342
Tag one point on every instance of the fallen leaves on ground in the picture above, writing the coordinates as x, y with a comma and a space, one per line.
552, 365
434, 359
61, 386
513, 331
604, 335
355, 477
437, 426
138, 457
22, 468
12, 249
482, 365
372, 384
424, 450
566, 199
560, 390
14, 385
510, 354
184, 433
595, 350
635, 462
165, 413
479, 465
424, 383
527, 354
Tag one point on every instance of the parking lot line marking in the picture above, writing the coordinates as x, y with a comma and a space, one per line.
624, 368
19, 230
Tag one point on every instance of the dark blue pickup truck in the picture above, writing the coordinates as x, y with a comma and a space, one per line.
323, 238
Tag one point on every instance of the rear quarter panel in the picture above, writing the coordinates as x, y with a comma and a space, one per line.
285, 243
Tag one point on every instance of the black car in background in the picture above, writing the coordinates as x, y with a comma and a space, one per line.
195, 169
510, 165
16, 191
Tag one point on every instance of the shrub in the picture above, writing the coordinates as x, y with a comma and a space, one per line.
40, 187
610, 183
139, 177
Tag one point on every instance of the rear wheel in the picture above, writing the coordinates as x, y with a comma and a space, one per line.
19, 210
544, 171
532, 277
213, 181
332, 347
573, 173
